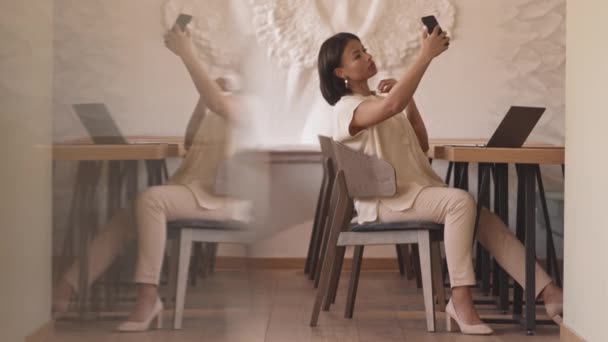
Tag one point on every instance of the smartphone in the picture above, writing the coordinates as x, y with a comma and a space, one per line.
183, 20
431, 22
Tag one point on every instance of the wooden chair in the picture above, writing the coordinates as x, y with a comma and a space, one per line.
362, 176
320, 232
316, 246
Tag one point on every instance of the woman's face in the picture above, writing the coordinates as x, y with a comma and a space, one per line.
357, 64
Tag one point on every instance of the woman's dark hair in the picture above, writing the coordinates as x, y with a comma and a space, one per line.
330, 58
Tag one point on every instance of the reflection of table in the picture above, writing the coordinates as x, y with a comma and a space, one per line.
82, 152
290, 154
527, 161
121, 164
174, 146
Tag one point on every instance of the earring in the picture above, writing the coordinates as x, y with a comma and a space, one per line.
346, 83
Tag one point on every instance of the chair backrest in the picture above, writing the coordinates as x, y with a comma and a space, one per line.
342, 209
329, 163
366, 176
327, 148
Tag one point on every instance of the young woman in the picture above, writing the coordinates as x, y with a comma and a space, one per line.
391, 127
188, 195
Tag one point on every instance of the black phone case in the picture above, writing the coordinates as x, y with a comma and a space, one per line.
183, 20
430, 22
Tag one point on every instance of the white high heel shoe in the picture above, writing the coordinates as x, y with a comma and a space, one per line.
469, 329
62, 294
156, 313
554, 311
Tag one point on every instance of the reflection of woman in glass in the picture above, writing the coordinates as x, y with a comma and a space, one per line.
188, 195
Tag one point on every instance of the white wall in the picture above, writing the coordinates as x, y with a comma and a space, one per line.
25, 174
112, 51
504, 52
586, 280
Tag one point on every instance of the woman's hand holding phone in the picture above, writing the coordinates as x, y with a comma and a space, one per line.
178, 41
434, 44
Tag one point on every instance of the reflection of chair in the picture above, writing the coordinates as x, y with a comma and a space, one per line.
362, 176
187, 232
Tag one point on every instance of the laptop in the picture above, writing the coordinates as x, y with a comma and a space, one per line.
98, 122
514, 128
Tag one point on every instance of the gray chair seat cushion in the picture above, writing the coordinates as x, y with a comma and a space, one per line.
205, 224
395, 226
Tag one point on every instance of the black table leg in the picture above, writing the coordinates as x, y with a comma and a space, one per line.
131, 169
483, 200
448, 176
461, 175
495, 266
552, 262
501, 208
527, 176
520, 233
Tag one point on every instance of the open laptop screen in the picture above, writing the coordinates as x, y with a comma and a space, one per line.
515, 127
97, 120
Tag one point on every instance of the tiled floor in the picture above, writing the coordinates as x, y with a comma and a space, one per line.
275, 305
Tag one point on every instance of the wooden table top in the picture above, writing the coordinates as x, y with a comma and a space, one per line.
461, 141
111, 152
290, 154
526, 155
153, 147
162, 147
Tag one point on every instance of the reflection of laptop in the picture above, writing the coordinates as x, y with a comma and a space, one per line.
514, 129
97, 120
